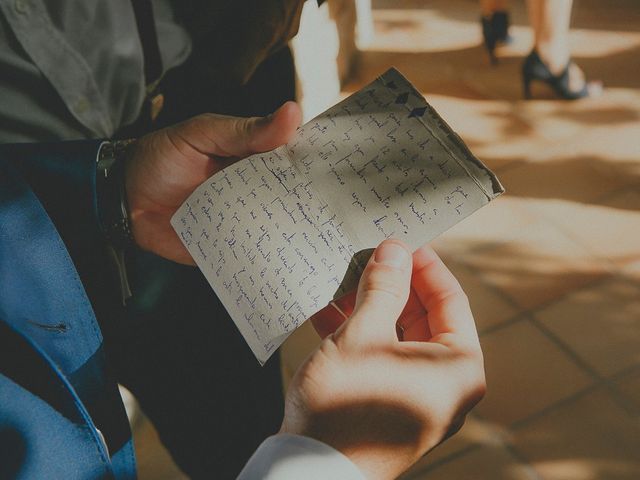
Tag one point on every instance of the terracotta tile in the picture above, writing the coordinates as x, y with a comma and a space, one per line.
590, 438
542, 119
629, 386
488, 307
625, 200
540, 266
608, 150
488, 463
420, 29
601, 324
504, 219
621, 15
493, 129
480, 121
610, 230
474, 433
572, 179
626, 204
526, 373
560, 121
613, 109
613, 146
631, 270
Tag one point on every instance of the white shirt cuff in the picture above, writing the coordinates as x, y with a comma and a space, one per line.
294, 457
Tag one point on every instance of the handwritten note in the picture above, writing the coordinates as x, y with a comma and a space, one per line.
277, 235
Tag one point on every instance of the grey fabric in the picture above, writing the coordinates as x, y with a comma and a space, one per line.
72, 69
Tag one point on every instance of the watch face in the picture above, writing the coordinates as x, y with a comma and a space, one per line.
110, 153
106, 158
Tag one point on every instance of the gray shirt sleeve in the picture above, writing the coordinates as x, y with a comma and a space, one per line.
72, 69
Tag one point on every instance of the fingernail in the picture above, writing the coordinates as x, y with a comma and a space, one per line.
392, 254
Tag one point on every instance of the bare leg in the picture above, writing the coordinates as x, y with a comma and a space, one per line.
488, 7
495, 25
550, 20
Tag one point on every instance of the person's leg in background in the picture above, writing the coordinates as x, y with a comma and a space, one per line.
550, 60
489, 7
495, 25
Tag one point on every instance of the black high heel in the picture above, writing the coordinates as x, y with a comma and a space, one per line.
495, 31
534, 68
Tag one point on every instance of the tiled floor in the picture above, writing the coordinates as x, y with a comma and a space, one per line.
553, 267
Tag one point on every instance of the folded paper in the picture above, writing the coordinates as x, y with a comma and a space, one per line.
279, 234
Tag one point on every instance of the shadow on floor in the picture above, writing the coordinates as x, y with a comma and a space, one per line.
434, 72
613, 15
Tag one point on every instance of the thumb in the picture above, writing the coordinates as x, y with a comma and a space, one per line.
266, 133
227, 136
382, 294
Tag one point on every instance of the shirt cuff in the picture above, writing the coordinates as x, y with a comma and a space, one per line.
289, 457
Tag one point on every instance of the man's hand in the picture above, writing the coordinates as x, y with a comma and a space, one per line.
166, 166
381, 401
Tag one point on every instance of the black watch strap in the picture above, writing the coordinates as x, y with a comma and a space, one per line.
113, 209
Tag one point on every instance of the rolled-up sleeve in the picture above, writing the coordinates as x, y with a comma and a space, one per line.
289, 457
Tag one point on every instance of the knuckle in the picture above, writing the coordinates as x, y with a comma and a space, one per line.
384, 282
464, 297
240, 128
246, 130
203, 120
477, 392
471, 351
471, 378
207, 117
476, 383
455, 426
321, 372
481, 387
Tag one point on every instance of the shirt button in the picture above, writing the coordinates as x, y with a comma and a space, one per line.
22, 7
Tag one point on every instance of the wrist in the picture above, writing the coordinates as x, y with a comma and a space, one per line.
113, 208
381, 449
113, 214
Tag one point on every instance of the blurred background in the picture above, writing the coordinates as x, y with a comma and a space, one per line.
552, 268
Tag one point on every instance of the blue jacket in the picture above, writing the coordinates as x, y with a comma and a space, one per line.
61, 416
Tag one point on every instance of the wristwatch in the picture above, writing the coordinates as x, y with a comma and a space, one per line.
113, 209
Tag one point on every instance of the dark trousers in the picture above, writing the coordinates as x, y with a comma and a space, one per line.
176, 348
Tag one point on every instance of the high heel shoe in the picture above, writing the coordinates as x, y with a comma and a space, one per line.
534, 68
495, 31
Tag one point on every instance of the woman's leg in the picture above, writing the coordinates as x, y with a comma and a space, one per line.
488, 7
495, 25
550, 20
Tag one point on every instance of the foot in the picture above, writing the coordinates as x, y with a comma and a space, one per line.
495, 31
558, 59
578, 81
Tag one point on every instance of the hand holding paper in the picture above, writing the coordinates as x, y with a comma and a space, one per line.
383, 402
167, 165
278, 235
